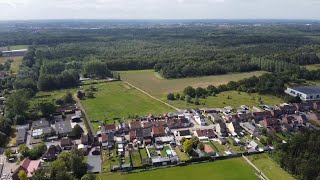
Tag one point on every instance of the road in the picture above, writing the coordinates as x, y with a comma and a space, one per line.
261, 175
80, 106
144, 92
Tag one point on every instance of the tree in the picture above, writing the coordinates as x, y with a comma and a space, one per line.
212, 89
95, 68
170, 96
22, 175
88, 177
187, 146
67, 98
23, 150
190, 91
17, 104
46, 108
37, 151
196, 102
177, 96
8, 153
78, 167
187, 99
90, 94
201, 146
77, 131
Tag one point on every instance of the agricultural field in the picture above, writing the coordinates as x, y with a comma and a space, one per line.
229, 98
17, 61
271, 169
118, 100
212, 170
154, 84
17, 47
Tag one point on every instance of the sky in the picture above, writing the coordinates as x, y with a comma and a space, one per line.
159, 9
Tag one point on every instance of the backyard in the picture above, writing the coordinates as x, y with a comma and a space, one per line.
271, 169
17, 61
214, 170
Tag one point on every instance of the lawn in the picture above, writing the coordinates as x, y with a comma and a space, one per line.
118, 100
154, 84
221, 148
271, 169
17, 61
108, 161
50, 96
235, 99
213, 170
182, 156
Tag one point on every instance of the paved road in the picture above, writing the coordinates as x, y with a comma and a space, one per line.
262, 176
144, 92
80, 106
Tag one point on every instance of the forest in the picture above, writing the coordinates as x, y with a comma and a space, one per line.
300, 156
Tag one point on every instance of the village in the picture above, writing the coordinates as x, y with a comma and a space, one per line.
160, 140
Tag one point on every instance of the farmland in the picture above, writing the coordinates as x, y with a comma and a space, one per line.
268, 167
154, 84
214, 170
313, 67
118, 100
229, 98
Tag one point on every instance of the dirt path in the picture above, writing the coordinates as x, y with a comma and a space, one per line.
167, 104
80, 106
255, 167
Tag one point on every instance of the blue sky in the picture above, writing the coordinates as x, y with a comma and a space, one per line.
159, 9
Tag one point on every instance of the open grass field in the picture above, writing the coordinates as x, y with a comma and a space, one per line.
16, 47
313, 67
17, 61
154, 84
225, 169
118, 100
271, 169
235, 100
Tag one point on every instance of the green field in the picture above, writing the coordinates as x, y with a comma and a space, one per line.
235, 100
118, 100
154, 84
17, 61
271, 169
16, 47
228, 169
50, 96
312, 66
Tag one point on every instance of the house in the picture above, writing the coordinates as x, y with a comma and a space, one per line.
222, 140
84, 139
258, 116
51, 153
21, 136
315, 117
245, 117
205, 134
302, 119
41, 132
159, 124
272, 123
94, 164
316, 105
234, 128
40, 124
253, 145
146, 124
108, 141
174, 123
109, 128
221, 129
254, 131
306, 106
63, 128
306, 93
286, 127
66, 143
288, 109
135, 125
158, 132
57, 118
231, 118
288, 119
200, 120
27, 165
143, 134
214, 117
276, 113
132, 135
183, 134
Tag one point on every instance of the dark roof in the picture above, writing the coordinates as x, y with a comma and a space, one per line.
40, 123
135, 124
94, 163
63, 127
21, 134
307, 89
206, 132
185, 133
146, 132
110, 127
66, 142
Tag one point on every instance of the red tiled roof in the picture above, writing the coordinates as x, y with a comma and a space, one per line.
158, 131
104, 138
110, 127
135, 124
205, 132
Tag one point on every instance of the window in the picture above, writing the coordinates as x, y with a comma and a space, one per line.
311, 97
317, 96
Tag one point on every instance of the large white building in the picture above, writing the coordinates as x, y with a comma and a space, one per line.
306, 93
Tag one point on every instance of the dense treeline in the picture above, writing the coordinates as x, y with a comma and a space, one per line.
300, 156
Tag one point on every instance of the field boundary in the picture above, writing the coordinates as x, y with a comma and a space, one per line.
263, 176
144, 92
